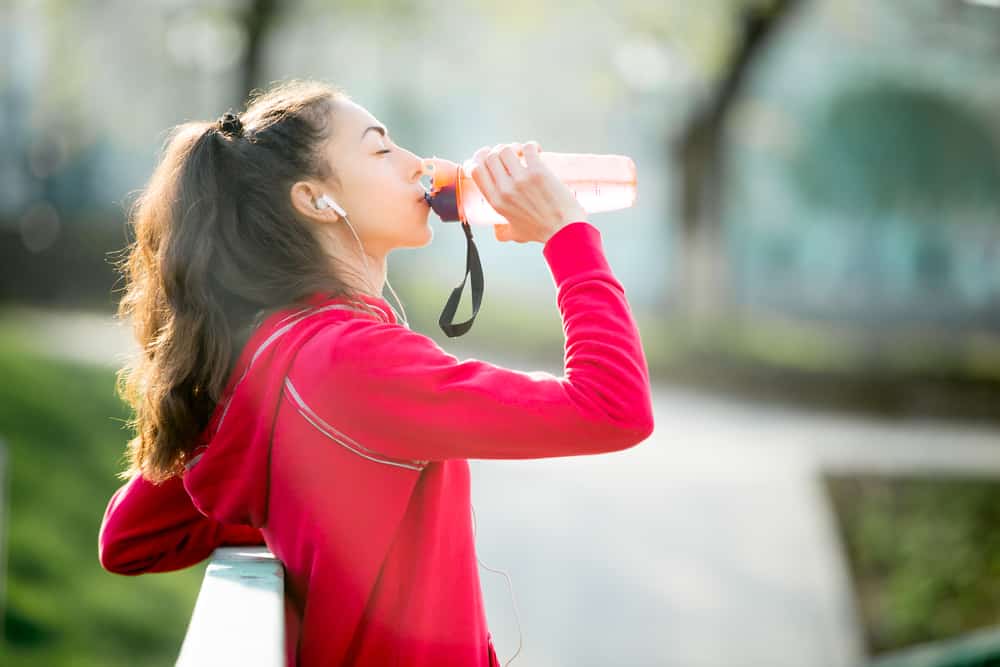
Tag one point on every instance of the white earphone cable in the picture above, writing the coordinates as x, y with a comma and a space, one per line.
364, 258
510, 587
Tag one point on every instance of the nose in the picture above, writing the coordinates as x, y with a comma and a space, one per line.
416, 166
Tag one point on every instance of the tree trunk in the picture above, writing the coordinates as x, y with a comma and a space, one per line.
256, 18
702, 282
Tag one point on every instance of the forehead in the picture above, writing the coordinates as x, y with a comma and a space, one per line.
349, 121
354, 118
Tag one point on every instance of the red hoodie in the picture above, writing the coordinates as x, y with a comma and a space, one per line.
344, 439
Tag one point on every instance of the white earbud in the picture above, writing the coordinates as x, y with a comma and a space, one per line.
325, 202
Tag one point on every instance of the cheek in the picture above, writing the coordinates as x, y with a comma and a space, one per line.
381, 187
365, 193
380, 198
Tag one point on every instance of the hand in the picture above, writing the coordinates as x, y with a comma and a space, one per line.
534, 201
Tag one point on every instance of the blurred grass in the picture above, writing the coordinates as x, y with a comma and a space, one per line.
924, 555
60, 424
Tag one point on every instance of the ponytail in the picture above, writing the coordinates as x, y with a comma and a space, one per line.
217, 247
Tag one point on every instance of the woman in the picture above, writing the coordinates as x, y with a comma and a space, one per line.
279, 399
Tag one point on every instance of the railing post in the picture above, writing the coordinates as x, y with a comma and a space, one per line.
239, 616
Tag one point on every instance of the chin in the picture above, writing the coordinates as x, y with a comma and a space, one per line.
428, 236
419, 240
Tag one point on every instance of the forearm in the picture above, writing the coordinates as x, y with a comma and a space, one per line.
156, 528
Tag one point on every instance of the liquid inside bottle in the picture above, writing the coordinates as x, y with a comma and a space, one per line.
599, 183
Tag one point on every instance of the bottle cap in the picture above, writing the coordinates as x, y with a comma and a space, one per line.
444, 193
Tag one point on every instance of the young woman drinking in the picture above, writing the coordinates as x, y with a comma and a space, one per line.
279, 399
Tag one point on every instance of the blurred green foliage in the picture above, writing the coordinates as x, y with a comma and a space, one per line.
924, 555
60, 423
887, 146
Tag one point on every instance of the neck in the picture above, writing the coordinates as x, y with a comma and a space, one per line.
377, 266
365, 273
368, 273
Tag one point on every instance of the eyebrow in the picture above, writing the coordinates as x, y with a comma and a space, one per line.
378, 128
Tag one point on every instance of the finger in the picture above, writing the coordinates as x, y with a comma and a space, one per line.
480, 153
496, 150
483, 178
531, 150
479, 156
508, 155
501, 179
500, 232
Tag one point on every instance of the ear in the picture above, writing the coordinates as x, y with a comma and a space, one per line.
303, 196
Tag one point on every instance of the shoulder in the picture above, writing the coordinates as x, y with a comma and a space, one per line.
368, 343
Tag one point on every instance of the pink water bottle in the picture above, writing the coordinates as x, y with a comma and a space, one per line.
599, 182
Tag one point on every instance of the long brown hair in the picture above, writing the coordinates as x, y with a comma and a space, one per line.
217, 247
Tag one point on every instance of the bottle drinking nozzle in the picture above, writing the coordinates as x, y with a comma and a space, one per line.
445, 188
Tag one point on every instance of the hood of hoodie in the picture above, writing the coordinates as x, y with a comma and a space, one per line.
228, 474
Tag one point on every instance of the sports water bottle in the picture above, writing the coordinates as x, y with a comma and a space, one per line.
599, 182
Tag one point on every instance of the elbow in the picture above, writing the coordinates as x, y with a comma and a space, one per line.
625, 435
119, 555
625, 419
639, 425
110, 551
645, 428
634, 415
639, 432
107, 553
113, 560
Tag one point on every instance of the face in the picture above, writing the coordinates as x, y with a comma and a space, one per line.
380, 186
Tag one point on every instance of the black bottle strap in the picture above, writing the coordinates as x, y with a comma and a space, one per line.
473, 265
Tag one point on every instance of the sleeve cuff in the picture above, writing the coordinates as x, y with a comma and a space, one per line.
576, 247
240, 535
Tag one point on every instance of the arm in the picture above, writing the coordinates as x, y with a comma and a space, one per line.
156, 528
397, 393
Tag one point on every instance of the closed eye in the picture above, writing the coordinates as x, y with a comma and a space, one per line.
383, 151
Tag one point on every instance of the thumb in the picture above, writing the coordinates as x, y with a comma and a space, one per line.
501, 232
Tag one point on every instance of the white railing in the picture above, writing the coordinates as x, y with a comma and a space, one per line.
239, 617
